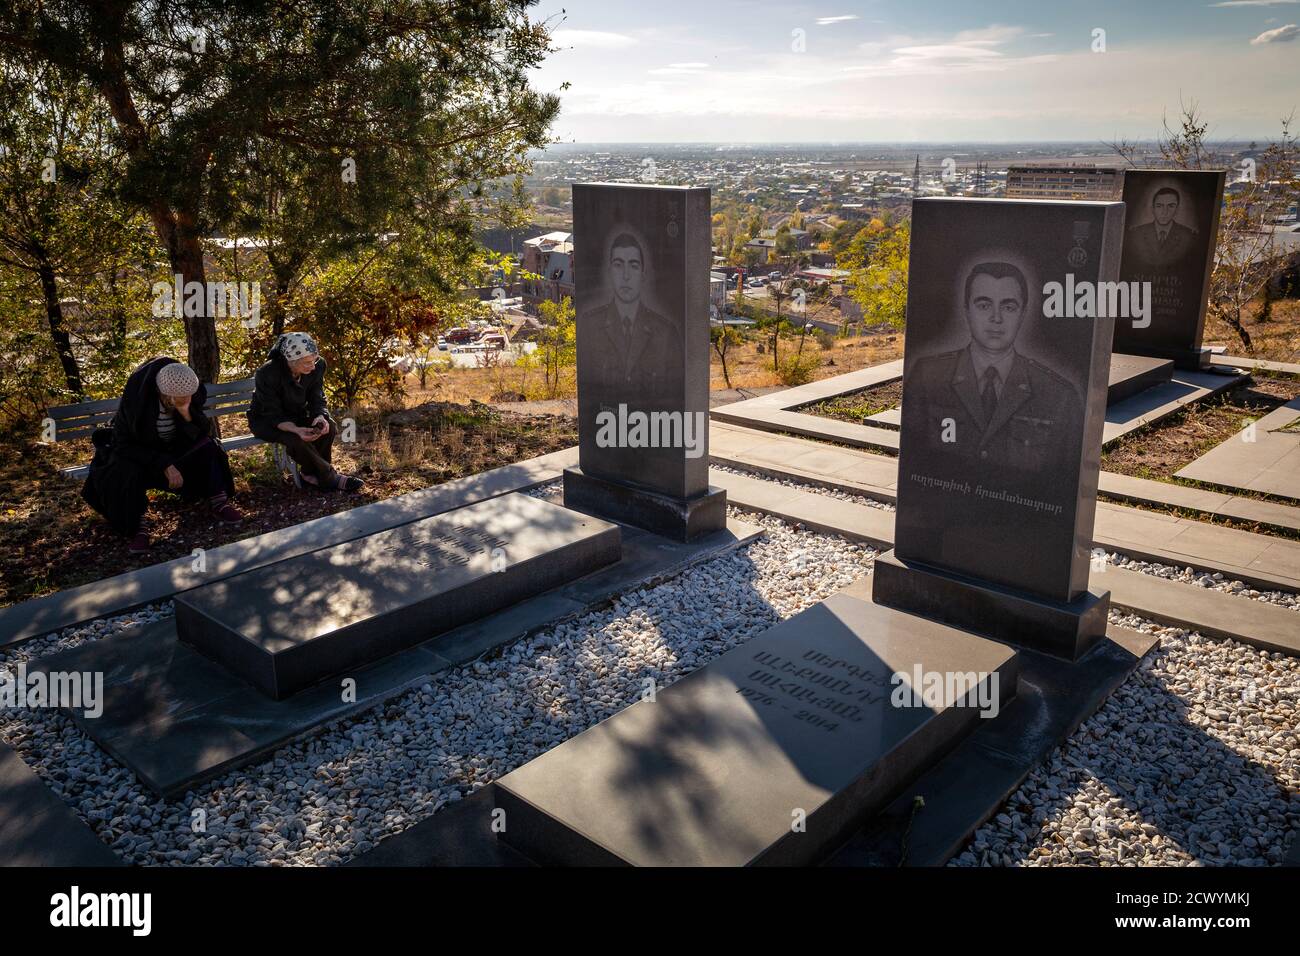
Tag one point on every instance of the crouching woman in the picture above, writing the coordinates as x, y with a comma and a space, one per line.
288, 407
160, 439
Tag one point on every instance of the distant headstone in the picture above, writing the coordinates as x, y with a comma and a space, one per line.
773, 754
642, 256
1004, 398
289, 625
1170, 232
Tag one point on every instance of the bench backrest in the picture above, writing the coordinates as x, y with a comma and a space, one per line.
78, 421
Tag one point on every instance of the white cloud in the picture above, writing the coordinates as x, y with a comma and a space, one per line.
1253, 3
1281, 35
827, 21
680, 69
594, 39
966, 51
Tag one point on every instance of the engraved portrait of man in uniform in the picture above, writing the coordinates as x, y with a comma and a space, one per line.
635, 339
987, 402
1161, 243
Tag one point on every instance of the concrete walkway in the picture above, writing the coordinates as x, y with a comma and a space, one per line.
1264, 562
1175, 603
780, 411
1264, 457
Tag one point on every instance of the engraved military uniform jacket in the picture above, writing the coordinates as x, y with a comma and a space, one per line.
1037, 415
1147, 252
634, 370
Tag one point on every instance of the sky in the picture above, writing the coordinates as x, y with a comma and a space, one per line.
918, 70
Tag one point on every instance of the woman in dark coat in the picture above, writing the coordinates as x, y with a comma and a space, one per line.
160, 439
288, 407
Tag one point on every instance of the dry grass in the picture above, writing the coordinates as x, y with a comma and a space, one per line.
1160, 450
1277, 340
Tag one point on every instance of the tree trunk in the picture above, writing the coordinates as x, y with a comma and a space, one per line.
1232, 319
175, 226
282, 272
58, 331
185, 253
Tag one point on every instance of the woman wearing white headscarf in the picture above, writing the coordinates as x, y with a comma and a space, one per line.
161, 439
288, 407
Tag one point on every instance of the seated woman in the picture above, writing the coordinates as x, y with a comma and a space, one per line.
288, 407
161, 439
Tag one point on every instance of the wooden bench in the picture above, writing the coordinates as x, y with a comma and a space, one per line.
80, 420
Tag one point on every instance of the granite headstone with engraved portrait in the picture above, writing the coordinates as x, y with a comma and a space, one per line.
1171, 227
1004, 389
642, 256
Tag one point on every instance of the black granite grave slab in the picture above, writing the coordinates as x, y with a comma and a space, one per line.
295, 623
1132, 374
178, 719
1170, 233
641, 298
771, 754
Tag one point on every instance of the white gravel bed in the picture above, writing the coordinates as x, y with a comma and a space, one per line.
1216, 580
328, 798
1193, 761
1203, 579
836, 493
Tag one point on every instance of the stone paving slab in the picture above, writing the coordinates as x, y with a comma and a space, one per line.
820, 390
778, 411
178, 719
889, 418
876, 477
1260, 560
39, 829
159, 582
1129, 375
1219, 504
1161, 401
1269, 464
1234, 361
1213, 613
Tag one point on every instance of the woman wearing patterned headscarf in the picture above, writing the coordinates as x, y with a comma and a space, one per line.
288, 407
161, 439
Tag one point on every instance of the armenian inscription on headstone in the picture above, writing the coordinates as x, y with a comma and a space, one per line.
1004, 397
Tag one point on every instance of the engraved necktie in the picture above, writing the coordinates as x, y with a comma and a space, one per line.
627, 349
989, 397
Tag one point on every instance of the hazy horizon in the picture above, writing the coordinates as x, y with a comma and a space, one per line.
895, 71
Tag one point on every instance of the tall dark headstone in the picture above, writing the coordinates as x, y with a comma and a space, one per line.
1170, 232
1004, 399
641, 256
